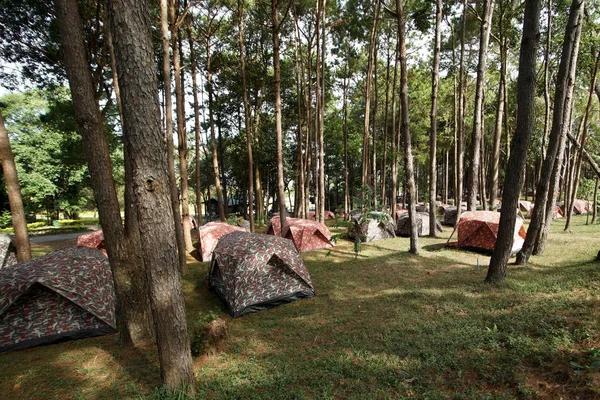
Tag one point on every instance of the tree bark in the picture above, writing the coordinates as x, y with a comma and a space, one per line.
247, 118
433, 120
462, 88
13, 190
213, 140
368, 84
164, 17
395, 135
133, 309
405, 129
579, 157
183, 222
130, 27
484, 38
278, 129
197, 127
322, 193
561, 106
520, 143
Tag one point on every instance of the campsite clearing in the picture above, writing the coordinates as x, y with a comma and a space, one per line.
384, 325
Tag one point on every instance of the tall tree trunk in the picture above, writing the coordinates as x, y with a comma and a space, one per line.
300, 172
197, 126
368, 87
395, 134
495, 164
181, 252
213, 140
183, 222
374, 130
547, 80
15, 200
386, 125
133, 310
595, 203
405, 129
462, 89
566, 73
520, 143
247, 118
433, 120
130, 27
278, 129
484, 38
345, 129
322, 193
579, 157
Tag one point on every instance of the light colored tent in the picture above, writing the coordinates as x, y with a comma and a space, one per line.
479, 230
524, 205
209, 236
422, 218
557, 213
581, 206
306, 235
8, 252
64, 295
252, 272
373, 226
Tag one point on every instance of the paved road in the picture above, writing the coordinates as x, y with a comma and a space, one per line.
53, 238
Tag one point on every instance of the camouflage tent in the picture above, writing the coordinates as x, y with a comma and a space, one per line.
451, 215
328, 215
479, 230
373, 226
64, 295
252, 272
93, 239
209, 235
403, 224
307, 235
8, 252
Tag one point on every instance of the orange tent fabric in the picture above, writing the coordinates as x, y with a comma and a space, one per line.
479, 230
307, 235
209, 235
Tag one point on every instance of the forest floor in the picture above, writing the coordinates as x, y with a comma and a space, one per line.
385, 324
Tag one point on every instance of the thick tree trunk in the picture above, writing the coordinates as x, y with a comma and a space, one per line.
405, 130
130, 27
386, 125
433, 120
462, 89
278, 128
15, 200
133, 310
484, 38
520, 143
368, 88
322, 191
247, 118
164, 16
566, 73
183, 222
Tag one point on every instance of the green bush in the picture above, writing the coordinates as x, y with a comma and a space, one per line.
5, 219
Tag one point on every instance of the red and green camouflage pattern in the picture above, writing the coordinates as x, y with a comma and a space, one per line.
252, 272
403, 224
8, 252
372, 226
306, 235
67, 294
209, 235
479, 230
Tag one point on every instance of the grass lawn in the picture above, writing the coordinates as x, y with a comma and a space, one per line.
384, 325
